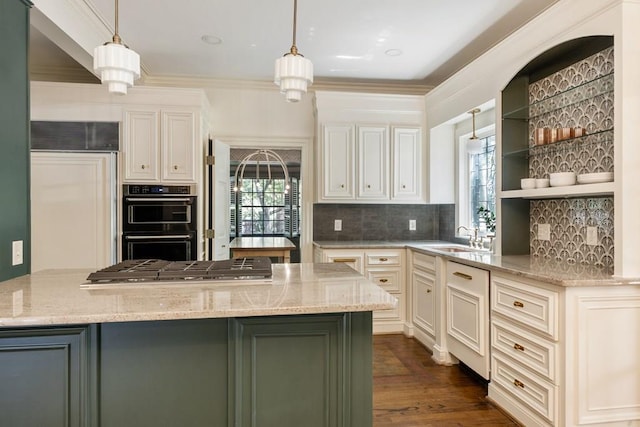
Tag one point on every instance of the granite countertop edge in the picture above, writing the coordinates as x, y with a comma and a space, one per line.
526, 266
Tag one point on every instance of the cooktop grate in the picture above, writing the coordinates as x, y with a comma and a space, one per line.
154, 269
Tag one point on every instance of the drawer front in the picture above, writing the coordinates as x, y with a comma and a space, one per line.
352, 259
467, 277
425, 262
389, 280
533, 391
533, 307
535, 353
384, 258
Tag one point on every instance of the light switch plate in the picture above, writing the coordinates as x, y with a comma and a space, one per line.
17, 256
337, 225
544, 232
592, 236
412, 225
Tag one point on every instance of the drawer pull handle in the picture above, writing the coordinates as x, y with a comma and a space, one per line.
518, 383
518, 347
344, 260
383, 259
518, 304
464, 276
384, 280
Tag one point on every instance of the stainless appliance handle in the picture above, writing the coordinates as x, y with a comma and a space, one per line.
173, 236
158, 199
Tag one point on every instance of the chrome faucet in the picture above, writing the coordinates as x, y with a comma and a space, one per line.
473, 235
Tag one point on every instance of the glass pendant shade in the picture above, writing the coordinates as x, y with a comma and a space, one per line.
118, 66
294, 73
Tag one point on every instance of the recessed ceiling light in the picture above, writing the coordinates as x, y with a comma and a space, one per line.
393, 52
209, 39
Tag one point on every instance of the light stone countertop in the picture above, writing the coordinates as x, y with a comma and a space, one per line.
62, 297
541, 269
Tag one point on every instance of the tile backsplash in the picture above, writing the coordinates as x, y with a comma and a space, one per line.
388, 222
569, 219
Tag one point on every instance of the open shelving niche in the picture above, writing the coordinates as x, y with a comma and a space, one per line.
517, 139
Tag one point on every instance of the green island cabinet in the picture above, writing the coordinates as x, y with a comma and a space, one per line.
311, 370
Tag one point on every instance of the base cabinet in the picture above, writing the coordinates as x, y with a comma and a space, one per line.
565, 356
423, 297
45, 377
384, 267
311, 370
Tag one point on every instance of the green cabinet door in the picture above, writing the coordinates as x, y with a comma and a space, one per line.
45, 377
302, 371
164, 374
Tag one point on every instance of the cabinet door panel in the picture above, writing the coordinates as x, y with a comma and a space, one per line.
373, 162
43, 378
424, 300
407, 170
338, 162
178, 146
141, 150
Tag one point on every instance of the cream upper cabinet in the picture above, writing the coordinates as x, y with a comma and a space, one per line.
373, 162
159, 146
406, 151
178, 144
141, 149
361, 163
338, 150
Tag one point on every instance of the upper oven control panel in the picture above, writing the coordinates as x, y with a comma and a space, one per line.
158, 190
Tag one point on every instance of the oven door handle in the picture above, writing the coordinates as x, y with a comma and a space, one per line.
159, 199
173, 236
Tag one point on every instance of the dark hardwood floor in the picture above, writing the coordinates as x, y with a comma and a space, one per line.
409, 389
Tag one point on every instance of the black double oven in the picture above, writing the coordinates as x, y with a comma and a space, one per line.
159, 222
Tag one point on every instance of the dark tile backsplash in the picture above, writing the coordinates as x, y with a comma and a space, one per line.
383, 222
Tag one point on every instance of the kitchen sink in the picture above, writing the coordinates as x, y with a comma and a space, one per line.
456, 249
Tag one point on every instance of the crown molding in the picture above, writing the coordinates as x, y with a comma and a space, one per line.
398, 88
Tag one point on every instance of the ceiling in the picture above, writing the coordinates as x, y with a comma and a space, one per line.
409, 42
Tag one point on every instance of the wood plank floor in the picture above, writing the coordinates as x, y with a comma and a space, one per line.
409, 389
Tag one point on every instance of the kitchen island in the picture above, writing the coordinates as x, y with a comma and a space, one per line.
291, 350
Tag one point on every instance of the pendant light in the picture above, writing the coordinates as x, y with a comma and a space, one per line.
474, 144
268, 157
293, 71
118, 65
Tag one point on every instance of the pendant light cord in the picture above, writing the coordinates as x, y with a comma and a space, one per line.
294, 48
116, 36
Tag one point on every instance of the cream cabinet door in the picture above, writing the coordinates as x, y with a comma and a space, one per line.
424, 302
178, 146
338, 162
141, 149
407, 169
373, 163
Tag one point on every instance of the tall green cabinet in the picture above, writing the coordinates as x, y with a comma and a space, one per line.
14, 135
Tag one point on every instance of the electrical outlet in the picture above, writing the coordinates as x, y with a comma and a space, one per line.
337, 225
16, 252
544, 232
592, 236
412, 225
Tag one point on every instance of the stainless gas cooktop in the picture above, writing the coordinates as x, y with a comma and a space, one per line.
149, 270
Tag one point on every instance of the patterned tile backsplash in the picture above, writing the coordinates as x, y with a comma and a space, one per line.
586, 88
589, 86
568, 220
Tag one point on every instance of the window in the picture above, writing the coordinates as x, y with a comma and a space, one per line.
263, 209
482, 183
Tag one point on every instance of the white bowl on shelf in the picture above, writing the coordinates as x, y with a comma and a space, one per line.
528, 183
592, 178
542, 182
561, 179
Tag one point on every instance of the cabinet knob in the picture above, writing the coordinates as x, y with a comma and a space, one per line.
143, 167
428, 291
368, 186
341, 185
404, 186
175, 167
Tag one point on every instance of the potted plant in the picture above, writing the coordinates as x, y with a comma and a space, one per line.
489, 219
